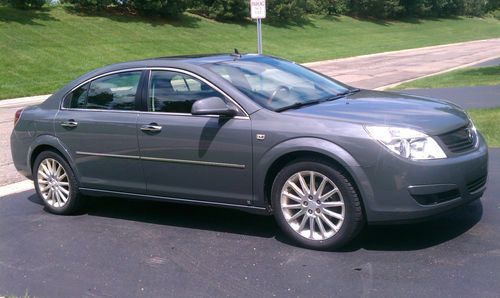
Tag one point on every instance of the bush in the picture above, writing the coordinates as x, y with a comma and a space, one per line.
287, 11
416, 8
91, 4
233, 10
148, 7
376, 8
159, 7
25, 4
474, 8
328, 7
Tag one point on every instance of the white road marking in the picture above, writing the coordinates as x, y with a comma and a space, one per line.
16, 188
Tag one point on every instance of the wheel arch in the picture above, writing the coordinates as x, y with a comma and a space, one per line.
308, 148
49, 142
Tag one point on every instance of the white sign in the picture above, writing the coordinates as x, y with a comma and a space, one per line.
258, 9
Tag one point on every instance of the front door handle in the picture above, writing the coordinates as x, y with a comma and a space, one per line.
152, 127
69, 124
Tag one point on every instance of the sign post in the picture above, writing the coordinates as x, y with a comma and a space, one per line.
258, 12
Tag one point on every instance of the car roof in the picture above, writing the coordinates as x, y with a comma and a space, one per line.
190, 63
198, 59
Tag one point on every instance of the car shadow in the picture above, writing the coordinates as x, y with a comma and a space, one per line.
403, 237
421, 235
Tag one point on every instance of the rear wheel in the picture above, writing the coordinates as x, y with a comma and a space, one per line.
55, 183
316, 205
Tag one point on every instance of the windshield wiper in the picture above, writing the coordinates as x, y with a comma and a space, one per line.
298, 104
342, 94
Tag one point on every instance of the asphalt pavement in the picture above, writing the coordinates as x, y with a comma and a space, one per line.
124, 248
479, 97
488, 63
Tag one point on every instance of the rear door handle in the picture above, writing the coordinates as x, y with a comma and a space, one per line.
152, 127
69, 124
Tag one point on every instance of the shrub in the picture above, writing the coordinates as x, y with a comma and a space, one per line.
285, 10
328, 7
495, 14
25, 4
159, 7
474, 7
376, 8
91, 4
233, 10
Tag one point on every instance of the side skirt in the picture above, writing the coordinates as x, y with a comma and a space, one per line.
101, 193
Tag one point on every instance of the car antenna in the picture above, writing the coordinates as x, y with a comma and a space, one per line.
236, 54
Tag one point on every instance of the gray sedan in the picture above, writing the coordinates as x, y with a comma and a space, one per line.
255, 133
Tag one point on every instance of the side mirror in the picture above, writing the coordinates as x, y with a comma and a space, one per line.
212, 106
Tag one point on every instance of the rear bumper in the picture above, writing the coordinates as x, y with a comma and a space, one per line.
406, 190
19, 154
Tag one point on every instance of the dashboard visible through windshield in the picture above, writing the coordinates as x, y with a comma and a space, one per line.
277, 84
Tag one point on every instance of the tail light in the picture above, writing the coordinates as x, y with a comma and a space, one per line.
18, 116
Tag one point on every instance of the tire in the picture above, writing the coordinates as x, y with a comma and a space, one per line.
62, 183
337, 201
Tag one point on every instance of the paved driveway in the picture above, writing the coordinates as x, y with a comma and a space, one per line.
384, 69
129, 249
479, 97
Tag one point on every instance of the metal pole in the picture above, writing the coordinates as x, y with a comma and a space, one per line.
259, 36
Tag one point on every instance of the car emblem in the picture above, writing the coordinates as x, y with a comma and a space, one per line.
260, 136
469, 134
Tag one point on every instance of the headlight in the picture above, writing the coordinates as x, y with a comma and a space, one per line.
406, 142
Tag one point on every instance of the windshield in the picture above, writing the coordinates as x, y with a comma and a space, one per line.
277, 84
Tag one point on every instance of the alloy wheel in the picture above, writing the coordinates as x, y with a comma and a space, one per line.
312, 205
53, 183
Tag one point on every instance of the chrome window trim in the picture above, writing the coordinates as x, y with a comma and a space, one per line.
191, 115
61, 104
155, 113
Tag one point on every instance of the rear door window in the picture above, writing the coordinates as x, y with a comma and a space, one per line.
112, 92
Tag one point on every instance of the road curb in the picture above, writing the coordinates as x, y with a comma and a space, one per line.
22, 101
14, 188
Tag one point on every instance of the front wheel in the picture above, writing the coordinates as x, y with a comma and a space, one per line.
56, 184
316, 205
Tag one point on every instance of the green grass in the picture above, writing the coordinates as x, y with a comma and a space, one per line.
482, 76
487, 122
42, 51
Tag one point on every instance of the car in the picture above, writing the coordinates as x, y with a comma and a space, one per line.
255, 133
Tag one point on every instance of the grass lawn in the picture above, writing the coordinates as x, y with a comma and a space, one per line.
481, 76
487, 122
41, 51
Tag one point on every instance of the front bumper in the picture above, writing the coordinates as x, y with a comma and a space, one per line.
405, 190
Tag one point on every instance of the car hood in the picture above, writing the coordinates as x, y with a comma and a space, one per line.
431, 116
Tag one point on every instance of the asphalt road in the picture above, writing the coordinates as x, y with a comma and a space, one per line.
479, 97
130, 248
492, 62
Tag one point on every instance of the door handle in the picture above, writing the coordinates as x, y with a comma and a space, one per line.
69, 124
152, 127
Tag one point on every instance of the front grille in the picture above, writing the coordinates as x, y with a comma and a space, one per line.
459, 140
476, 184
436, 198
